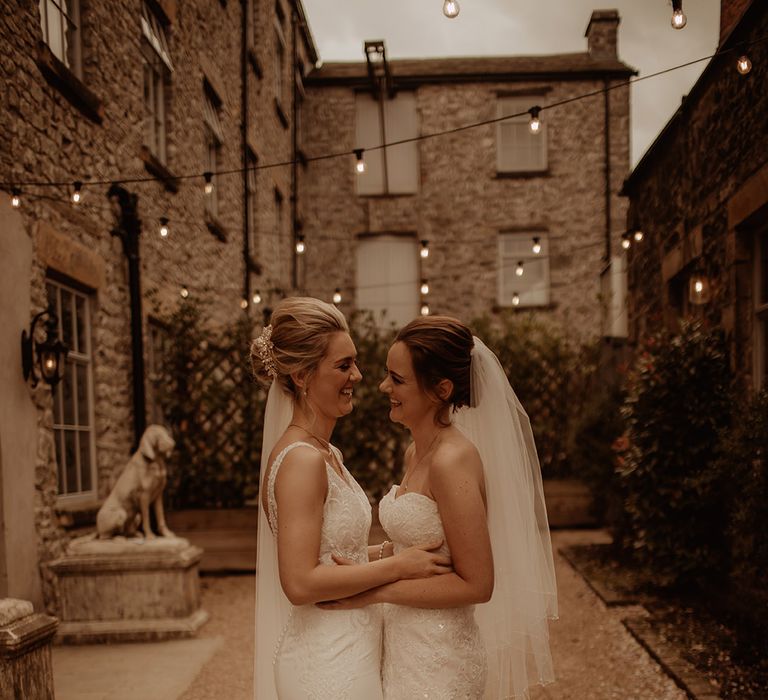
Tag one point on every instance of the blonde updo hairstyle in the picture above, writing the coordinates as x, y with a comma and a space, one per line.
301, 331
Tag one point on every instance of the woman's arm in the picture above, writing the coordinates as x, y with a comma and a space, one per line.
300, 490
455, 480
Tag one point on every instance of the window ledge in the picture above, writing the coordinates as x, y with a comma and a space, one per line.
385, 195
215, 227
281, 115
77, 514
498, 308
155, 167
520, 174
253, 58
66, 82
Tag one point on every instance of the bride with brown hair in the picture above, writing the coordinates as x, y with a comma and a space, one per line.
313, 509
472, 478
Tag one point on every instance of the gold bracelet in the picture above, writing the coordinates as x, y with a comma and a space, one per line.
381, 549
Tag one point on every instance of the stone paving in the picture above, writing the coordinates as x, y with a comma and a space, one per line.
595, 657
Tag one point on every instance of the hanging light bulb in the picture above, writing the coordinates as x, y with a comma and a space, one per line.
699, 288
679, 20
638, 235
424, 287
535, 124
515, 299
744, 65
337, 296
451, 8
536, 245
359, 162
15, 197
424, 252
256, 297
208, 176
519, 268
243, 304
163, 227
77, 194
184, 292
300, 245
625, 241
425, 309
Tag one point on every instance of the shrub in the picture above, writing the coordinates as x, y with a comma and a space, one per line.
678, 397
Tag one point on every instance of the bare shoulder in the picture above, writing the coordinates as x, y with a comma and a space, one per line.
302, 467
455, 458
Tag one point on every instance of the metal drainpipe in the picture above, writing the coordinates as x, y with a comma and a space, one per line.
607, 119
244, 108
294, 150
128, 229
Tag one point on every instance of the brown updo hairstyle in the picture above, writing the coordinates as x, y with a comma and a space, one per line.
441, 348
301, 331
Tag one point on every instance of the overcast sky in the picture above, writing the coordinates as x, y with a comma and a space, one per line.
417, 28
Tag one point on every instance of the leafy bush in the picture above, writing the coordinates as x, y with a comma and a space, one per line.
678, 398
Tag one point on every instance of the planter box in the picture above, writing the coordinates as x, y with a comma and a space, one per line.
227, 536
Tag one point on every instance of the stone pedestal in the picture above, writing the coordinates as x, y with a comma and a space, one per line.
25, 651
120, 590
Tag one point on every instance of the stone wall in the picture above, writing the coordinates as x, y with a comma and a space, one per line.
693, 195
48, 136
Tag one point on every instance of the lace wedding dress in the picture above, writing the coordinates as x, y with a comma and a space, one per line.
324, 654
428, 653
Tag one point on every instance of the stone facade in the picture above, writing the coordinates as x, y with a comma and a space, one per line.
700, 196
462, 203
61, 127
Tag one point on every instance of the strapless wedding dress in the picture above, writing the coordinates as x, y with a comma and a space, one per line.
331, 654
428, 653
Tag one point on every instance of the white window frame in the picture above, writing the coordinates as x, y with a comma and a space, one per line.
514, 141
514, 247
157, 70
760, 331
82, 357
389, 288
214, 138
394, 170
60, 22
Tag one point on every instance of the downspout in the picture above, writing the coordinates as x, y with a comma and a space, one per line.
244, 110
294, 151
128, 229
607, 127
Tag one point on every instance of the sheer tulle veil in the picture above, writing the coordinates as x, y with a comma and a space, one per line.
272, 607
514, 623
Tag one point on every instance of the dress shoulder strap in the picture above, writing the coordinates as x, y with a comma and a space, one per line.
271, 500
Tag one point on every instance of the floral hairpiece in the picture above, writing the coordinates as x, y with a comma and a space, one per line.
265, 351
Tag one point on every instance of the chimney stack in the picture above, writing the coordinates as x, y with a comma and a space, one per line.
601, 34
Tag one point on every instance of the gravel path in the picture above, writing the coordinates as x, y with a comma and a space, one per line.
595, 657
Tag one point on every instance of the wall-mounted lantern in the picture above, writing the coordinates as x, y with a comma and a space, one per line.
699, 289
46, 358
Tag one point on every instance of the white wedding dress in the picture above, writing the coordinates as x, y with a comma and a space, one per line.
327, 654
428, 653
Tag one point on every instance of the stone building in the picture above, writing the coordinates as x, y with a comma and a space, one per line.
700, 197
481, 198
150, 94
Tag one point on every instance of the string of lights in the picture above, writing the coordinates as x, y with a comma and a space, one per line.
79, 183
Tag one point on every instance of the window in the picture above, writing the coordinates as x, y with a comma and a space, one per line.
395, 169
280, 59
253, 23
531, 288
157, 71
517, 149
60, 20
761, 311
214, 138
73, 399
388, 277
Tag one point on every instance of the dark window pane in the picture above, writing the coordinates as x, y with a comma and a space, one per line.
68, 394
85, 462
83, 417
51, 294
66, 318
70, 450
57, 407
80, 318
59, 440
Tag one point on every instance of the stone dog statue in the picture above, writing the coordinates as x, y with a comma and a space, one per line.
139, 485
